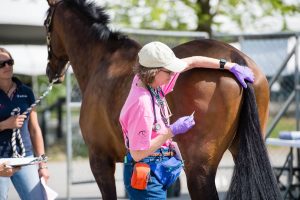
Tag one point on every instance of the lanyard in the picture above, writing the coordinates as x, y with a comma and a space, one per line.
153, 93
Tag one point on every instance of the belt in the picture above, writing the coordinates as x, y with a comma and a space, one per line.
169, 153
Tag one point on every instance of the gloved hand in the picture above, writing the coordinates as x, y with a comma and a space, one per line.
182, 125
242, 73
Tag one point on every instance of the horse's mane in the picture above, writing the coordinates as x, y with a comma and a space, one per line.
97, 19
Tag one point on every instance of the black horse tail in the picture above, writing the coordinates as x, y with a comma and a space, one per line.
253, 177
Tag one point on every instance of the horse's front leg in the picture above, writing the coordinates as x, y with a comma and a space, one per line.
103, 168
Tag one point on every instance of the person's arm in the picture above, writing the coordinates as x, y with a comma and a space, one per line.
181, 126
155, 143
6, 171
205, 62
37, 142
12, 122
242, 73
2, 126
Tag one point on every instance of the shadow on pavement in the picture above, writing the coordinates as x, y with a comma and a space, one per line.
222, 196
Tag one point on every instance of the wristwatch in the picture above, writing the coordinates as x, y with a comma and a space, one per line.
43, 158
222, 63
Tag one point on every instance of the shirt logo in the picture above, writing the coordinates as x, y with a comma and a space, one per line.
22, 96
142, 133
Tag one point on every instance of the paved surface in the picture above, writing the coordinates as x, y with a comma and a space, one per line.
82, 172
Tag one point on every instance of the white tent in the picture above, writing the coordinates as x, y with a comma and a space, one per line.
30, 12
29, 59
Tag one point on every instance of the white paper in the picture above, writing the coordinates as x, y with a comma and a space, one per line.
19, 161
49, 193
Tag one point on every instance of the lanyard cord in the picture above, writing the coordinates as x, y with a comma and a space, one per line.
153, 105
155, 94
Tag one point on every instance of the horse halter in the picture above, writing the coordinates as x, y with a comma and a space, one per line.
48, 25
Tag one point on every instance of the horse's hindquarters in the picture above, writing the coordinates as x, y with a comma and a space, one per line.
215, 96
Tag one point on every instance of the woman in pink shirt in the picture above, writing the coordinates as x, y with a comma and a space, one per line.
145, 118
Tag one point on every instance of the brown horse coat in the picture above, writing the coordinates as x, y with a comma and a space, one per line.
102, 62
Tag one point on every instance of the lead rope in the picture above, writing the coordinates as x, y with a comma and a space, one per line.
16, 132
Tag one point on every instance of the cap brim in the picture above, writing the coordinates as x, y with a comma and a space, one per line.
177, 65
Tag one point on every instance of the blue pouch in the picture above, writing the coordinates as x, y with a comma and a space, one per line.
167, 171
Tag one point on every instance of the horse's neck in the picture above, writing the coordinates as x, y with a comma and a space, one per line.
82, 66
81, 57
88, 55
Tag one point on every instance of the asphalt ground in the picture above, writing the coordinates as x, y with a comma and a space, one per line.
81, 173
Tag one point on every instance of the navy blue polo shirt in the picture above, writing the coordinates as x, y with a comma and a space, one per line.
22, 98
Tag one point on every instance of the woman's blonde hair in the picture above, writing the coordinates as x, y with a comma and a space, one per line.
146, 74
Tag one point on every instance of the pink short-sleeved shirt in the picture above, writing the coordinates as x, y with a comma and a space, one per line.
137, 116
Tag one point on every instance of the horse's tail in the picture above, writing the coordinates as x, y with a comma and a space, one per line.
253, 177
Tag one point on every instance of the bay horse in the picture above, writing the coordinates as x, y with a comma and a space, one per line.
227, 116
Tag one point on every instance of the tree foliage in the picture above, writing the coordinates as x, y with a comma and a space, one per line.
200, 15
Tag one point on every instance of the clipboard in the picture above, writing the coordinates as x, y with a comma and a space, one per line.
15, 162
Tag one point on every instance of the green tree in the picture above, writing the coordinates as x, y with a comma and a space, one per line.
200, 15
244, 12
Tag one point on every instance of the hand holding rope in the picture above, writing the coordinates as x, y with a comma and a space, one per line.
16, 135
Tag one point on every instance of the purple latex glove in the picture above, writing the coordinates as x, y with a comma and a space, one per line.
242, 73
182, 125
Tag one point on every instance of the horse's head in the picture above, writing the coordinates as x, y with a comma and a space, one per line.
57, 56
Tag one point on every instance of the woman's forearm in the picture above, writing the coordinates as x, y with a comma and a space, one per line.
3, 125
155, 144
205, 62
36, 134
37, 143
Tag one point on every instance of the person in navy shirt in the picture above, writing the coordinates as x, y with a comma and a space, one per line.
15, 94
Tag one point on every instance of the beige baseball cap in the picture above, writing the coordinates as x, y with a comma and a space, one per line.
157, 54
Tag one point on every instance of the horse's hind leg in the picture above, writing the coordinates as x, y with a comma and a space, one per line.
201, 182
103, 168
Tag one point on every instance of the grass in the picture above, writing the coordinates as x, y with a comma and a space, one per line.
58, 151
284, 124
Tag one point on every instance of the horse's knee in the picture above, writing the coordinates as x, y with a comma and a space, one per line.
201, 174
103, 171
102, 164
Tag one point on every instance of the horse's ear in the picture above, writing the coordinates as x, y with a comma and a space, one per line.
52, 2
